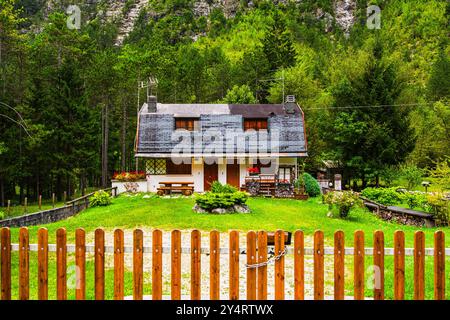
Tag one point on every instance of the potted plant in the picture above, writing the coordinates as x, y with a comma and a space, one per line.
253, 171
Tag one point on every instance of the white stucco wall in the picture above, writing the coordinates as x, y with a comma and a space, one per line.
196, 177
197, 174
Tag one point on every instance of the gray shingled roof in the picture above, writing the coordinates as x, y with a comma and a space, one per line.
155, 132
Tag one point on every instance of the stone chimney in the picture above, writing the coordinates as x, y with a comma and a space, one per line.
290, 106
151, 104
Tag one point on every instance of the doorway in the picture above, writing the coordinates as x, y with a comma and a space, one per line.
211, 174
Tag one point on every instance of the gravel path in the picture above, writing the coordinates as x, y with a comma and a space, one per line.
224, 238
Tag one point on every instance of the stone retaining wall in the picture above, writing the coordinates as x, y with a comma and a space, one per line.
44, 217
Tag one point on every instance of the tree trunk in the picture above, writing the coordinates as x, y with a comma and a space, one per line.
2, 192
124, 138
105, 135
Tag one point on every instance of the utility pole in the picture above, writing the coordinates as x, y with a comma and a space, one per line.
150, 84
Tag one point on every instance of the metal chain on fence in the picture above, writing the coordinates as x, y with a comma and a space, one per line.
271, 259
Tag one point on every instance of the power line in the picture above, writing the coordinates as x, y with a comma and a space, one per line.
20, 124
374, 106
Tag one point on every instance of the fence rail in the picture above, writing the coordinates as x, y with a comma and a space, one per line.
257, 253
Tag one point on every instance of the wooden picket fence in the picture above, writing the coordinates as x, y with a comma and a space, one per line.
256, 270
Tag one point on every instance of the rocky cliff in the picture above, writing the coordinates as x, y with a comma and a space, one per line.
125, 12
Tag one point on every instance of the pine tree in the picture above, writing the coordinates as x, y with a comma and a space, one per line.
277, 45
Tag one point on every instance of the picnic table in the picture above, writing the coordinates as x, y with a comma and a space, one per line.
167, 187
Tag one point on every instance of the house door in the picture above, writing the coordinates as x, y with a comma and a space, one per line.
211, 174
233, 175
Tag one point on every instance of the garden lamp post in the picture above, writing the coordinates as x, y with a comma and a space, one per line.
426, 184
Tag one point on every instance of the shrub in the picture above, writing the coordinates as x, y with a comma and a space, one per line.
217, 187
2, 215
211, 200
100, 198
439, 207
312, 187
385, 196
413, 175
416, 200
442, 173
344, 201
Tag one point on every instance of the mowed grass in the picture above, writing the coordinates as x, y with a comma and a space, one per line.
130, 212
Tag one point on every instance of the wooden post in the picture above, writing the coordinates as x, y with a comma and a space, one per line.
234, 265
65, 197
157, 265
24, 264
8, 210
195, 265
262, 271
214, 265
279, 265
99, 257
359, 265
80, 263
53, 200
318, 266
251, 259
419, 265
138, 266
399, 265
339, 265
439, 265
25, 205
6, 264
40, 202
119, 259
61, 264
175, 269
42, 264
378, 263
299, 266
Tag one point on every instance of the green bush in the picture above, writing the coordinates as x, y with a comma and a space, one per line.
2, 215
211, 200
344, 201
416, 200
385, 196
412, 174
100, 198
312, 187
217, 187
440, 207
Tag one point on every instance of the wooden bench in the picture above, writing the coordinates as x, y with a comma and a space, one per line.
271, 238
186, 188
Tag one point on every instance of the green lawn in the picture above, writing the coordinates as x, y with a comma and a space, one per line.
267, 214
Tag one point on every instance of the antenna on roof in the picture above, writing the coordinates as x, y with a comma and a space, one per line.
152, 84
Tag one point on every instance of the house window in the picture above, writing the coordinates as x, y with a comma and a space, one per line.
284, 174
255, 124
166, 166
155, 166
182, 168
190, 124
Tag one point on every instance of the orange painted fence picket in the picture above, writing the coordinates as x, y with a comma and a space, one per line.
285, 260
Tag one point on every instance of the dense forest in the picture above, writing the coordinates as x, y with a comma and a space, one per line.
374, 98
